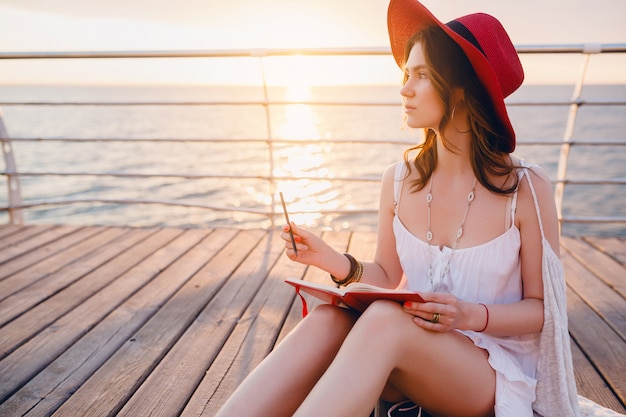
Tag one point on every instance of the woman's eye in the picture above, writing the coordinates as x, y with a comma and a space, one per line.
420, 75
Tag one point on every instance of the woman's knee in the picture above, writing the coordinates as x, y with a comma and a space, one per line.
387, 321
384, 313
328, 319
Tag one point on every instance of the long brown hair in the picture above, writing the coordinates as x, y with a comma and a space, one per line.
450, 68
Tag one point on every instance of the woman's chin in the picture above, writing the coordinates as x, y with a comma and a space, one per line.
414, 124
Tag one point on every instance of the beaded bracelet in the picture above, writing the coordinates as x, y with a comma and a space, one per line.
359, 272
487, 321
355, 274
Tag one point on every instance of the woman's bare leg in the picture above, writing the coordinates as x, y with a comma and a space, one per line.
285, 377
443, 372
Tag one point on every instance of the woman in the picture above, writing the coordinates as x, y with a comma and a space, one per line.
462, 222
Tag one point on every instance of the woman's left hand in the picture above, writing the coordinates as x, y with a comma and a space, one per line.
440, 312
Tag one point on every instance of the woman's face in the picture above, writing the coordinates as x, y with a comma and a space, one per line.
422, 106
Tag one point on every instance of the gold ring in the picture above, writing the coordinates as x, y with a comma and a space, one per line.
435, 318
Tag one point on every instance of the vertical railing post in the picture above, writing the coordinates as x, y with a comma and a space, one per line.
270, 139
14, 193
568, 135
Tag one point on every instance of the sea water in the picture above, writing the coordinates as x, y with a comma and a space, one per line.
239, 169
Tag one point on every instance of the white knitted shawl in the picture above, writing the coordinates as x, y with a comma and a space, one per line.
556, 386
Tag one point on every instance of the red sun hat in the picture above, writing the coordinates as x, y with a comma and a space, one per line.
482, 38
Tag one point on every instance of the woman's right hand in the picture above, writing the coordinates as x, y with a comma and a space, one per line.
310, 246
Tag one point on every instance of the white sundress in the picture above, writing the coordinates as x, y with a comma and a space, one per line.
489, 273
534, 373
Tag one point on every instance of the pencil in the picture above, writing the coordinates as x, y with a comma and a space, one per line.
293, 241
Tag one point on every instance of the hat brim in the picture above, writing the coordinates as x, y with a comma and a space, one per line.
407, 17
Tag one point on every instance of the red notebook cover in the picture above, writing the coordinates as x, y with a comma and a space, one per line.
357, 295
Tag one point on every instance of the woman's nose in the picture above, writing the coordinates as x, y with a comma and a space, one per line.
406, 90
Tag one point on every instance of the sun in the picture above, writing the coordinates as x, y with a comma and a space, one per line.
299, 121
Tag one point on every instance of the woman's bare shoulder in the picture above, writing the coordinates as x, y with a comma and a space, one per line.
540, 181
527, 209
387, 188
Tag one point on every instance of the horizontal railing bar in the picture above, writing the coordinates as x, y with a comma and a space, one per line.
243, 53
593, 220
214, 140
546, 142
28, 205
592, 181
577, 142
588, 181
186, 176
292, 103
580, 102
44, 203
201, 103
589, 48
217, 53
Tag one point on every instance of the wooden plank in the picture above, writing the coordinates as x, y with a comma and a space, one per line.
596, 294
51, 387
112, 385
605, 348
59, 271
28, 324
613, 246
251, 340
29, 252
226, 313
9, 229
22, 247
363, 245
13, 234
44, 259
602, 265
129, 272
168, 388
590, 384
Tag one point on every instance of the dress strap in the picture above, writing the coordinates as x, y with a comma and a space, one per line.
398, 179
511, 206
526, 171
509, 219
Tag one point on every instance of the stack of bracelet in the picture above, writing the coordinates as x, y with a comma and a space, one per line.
356, 272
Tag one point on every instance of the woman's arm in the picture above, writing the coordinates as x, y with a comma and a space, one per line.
532, 249
526, 316
384, 271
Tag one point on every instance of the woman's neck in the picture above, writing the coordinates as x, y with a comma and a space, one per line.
455, 161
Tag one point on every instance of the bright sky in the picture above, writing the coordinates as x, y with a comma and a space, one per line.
122, 25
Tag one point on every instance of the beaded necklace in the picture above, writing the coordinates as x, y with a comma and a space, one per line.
459, 233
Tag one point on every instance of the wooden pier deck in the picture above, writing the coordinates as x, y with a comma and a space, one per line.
100, 321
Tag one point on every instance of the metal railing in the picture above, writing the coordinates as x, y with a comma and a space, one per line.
15, 205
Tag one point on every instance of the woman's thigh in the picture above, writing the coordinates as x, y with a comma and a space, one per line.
443, 372
293, 367
319, 335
